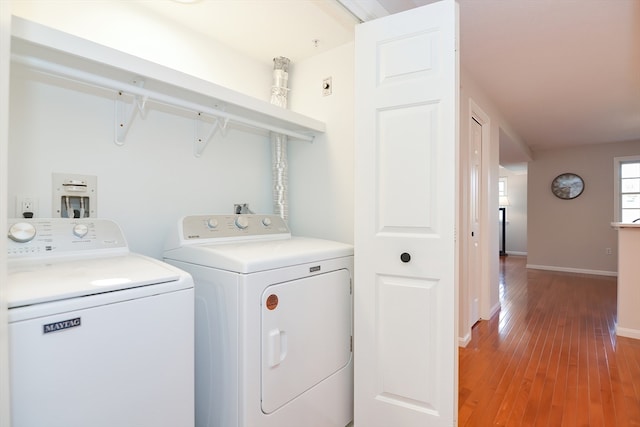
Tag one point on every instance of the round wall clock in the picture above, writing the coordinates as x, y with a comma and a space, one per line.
567, 186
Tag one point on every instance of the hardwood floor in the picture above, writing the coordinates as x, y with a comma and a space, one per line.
550, 357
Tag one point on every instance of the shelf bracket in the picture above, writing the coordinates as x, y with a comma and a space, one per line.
126, 112
203, 135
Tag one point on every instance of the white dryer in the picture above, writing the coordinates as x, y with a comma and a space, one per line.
98, 336
273, 322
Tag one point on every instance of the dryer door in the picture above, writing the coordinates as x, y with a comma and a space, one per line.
306, 335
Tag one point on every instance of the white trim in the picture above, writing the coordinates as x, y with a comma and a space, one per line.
505, 191
487, 227
463, 341
516, 253
573, 270
494, 310
629, 333
5, 47
616, 183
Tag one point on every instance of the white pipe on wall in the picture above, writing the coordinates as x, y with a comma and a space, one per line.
279, 160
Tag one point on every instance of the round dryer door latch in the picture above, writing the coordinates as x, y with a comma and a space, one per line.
272, 302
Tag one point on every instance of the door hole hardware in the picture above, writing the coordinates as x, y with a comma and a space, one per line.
472, 234
405, 257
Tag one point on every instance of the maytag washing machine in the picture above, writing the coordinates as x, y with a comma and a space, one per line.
98, 336
273, 322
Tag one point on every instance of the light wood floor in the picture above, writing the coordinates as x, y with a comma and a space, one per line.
550, 357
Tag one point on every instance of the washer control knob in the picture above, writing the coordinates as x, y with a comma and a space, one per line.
22, 232
266, 221
80, 230
212, 223
242, 222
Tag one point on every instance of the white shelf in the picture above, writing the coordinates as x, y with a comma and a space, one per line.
72, 58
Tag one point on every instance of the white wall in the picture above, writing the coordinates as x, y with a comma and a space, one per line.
134, 29
572, 235
321, 173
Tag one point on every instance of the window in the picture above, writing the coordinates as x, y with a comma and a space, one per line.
502, 186
627, 180
503, 200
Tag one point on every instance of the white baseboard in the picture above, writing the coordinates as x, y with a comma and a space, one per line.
573, 270
494, 310
463, 341
516, 253
629, 333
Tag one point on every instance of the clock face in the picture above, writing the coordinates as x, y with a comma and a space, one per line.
567, 186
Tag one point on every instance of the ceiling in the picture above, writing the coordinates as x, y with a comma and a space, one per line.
562, 72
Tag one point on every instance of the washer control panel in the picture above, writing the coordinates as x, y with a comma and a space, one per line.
62, 236
231, 227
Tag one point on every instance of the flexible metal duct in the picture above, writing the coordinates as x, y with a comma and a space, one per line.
279, 161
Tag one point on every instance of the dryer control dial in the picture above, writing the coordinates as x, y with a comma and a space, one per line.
266, 221
212, 223
242, 222
22, 232
80, 230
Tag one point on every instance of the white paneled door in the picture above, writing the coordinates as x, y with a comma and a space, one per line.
474, 271
405, 295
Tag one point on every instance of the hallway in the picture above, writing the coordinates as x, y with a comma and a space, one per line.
550, 357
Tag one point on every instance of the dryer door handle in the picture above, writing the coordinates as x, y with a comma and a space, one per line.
277, 347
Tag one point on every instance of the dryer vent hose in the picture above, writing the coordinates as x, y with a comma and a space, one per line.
279, 161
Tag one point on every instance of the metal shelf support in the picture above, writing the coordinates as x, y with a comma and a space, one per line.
126, 113
203, 136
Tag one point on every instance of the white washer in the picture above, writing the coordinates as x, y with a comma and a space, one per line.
273, 322
98, 336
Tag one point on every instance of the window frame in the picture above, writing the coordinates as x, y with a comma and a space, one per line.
617, 195
502, 180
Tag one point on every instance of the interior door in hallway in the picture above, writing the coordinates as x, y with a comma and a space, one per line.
405, 292
474, 272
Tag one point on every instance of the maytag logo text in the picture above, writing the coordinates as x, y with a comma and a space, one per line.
59, 326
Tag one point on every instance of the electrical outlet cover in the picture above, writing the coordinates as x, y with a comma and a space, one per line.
327, 86
26, 204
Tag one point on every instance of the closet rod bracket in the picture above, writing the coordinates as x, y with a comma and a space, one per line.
126, 112
203, 135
